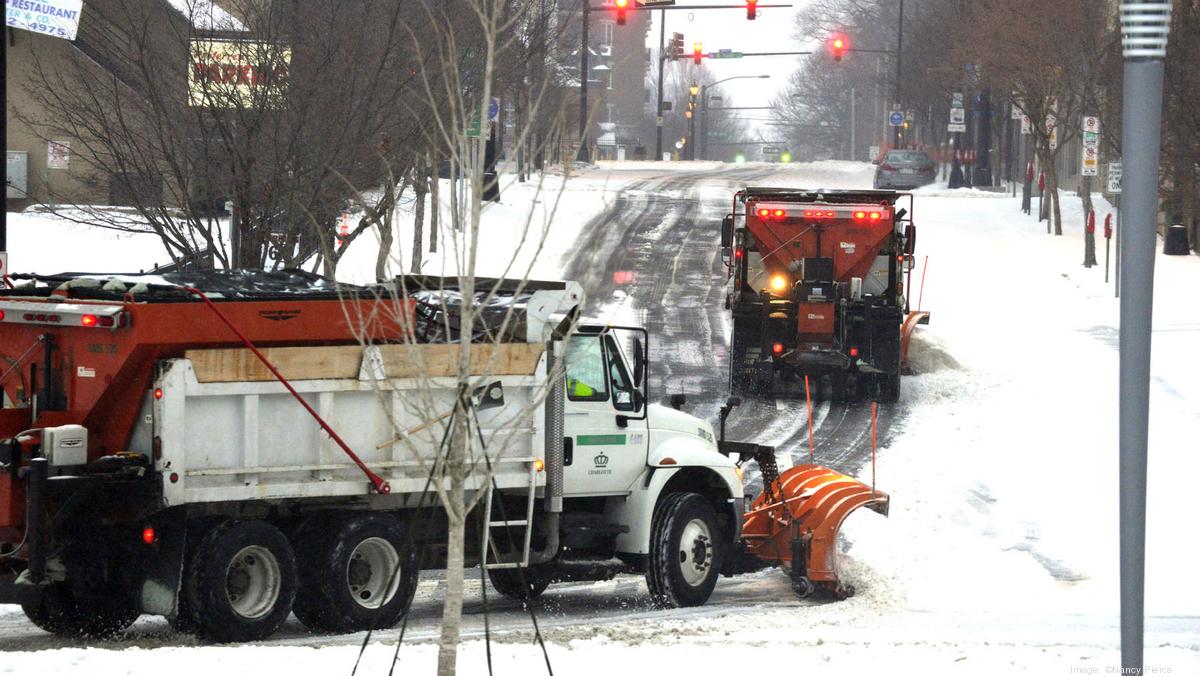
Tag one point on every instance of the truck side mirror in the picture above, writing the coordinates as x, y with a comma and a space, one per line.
639, 361
727, 231
910, 239
678, 400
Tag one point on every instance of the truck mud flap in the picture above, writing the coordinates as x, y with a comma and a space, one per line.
800, 514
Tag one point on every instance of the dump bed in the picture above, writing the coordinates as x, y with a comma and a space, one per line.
227, 431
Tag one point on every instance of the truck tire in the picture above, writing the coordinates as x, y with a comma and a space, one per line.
241, 581
357, 572
94, 614
508, 581
685, 551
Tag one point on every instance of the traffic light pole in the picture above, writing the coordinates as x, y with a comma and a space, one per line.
899, 63
662, 64
584, 72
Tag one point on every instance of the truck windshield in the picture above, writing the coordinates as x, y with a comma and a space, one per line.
586, 380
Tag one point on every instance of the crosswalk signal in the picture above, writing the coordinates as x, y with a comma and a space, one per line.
837, 47
698, 54
621, 11
751, 10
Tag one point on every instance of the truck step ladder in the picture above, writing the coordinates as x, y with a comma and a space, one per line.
491, 559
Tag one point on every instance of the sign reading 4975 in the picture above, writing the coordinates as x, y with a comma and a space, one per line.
57, 18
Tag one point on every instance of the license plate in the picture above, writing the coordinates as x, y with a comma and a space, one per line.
908, 171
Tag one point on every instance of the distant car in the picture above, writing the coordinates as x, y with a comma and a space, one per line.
905, 170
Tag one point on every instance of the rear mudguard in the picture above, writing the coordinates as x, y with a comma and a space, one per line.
807, 505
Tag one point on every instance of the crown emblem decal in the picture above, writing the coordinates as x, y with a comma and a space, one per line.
601, 460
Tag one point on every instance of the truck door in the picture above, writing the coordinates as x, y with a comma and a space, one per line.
602, 457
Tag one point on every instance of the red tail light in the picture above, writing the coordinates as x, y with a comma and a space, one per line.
779, 213
887, 167
875, 215
1, 315
738, 253
88, 320
763, 213
158, 393
854, 352
777, 348
149, 536
859, 215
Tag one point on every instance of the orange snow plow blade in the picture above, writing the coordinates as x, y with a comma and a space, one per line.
796, 520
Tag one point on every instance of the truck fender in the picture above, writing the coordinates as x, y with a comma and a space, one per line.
636, 510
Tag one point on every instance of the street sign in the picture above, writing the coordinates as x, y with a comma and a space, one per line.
896, 118
658, 121
1090, 165
873, 151
725, 54
1114, 178
1026, 125
1017, 105
56, 18
494, 110
655, 3
908, 117
58, 154
952, 127
956, 100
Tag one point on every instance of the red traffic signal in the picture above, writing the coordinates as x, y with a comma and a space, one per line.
751, 10
837, 46
698, 54
621, 11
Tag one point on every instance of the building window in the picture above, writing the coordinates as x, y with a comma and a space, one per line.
606, 32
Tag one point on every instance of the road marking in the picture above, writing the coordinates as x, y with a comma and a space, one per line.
779, 406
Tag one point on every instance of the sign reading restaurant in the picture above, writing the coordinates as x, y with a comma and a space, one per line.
57, 18
237, 74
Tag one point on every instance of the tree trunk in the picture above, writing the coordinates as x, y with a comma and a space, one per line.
1054, 208
420, 187
1089, 235
435, 207
456, 469
386, 234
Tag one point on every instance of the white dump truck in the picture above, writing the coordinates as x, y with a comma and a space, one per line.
225, 463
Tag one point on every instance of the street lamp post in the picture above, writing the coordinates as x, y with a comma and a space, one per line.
694, 90
704, 108
1145, 25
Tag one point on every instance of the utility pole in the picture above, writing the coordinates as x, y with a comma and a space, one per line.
853, 124
4, 134
899, 62
662, 64
1144, 28
583, 85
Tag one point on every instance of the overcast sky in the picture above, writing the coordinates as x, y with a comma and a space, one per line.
717, 29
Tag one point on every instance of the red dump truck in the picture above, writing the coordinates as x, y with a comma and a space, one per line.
817, 289
226, 449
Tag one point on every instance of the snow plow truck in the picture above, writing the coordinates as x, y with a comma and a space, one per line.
817, 289
225, 449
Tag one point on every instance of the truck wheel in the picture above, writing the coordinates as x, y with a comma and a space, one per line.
94, 614
359, 573
507, 581
241, 581
685, 551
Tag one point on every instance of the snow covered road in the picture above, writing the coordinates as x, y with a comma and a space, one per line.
999, 555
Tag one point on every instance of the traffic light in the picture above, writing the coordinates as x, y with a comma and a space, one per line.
621, 6
837, 46
698, 54
676, 46
751, 10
